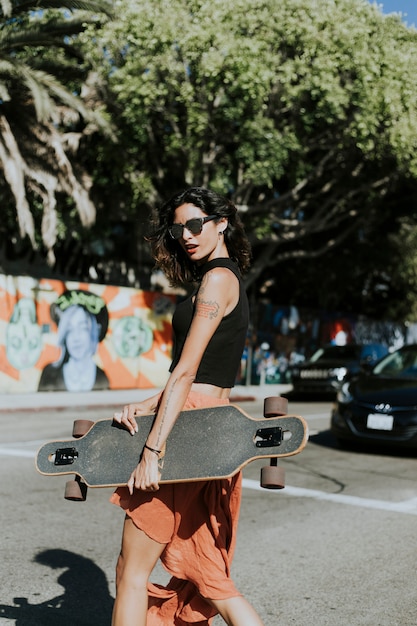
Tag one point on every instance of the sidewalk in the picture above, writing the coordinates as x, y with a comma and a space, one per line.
60, 399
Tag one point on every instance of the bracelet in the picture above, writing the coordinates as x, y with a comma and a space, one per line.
154, 450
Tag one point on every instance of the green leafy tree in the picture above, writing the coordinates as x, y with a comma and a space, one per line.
303, 111
46, 108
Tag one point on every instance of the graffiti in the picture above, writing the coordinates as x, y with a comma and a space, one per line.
82, 321
23, 335
132, 337
78, 337
88, 301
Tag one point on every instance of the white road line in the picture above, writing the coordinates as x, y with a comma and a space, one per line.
16, 452
25, 449
30, 454
406, 506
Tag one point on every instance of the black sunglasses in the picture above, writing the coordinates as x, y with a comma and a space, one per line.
194, 226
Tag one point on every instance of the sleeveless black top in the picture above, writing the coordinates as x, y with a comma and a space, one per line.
221, 360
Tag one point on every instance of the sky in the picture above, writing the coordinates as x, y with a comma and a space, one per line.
400, 6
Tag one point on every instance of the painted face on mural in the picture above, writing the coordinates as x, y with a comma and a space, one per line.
80, 336
23, 336
132, 337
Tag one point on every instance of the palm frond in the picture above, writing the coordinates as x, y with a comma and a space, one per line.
14, 168
6, 7
37, 107
4, 92
18, 8
49, 33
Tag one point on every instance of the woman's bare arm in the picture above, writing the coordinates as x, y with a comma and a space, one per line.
127, 416
218, 293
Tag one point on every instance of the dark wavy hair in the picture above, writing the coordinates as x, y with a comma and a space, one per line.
167, 252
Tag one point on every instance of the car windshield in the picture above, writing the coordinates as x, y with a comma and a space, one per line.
342, 353
399, 364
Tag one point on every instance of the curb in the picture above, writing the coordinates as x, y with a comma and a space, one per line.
43, 401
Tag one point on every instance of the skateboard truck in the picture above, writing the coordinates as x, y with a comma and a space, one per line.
65, 456
267, 437
272, 476
76, 490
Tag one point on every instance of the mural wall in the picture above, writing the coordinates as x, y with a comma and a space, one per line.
74, 336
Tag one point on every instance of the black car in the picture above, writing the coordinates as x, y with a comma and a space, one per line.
380, 406
329, 367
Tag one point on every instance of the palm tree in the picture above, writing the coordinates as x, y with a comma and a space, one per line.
46, 107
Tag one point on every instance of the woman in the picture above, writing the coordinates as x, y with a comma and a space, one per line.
190, 526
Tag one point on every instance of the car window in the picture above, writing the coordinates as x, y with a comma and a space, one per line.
342, 353
400, 363
317, 355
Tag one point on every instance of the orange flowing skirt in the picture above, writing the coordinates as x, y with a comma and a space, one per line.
198, 523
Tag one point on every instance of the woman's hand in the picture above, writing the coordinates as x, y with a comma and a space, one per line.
127, 416
146, 475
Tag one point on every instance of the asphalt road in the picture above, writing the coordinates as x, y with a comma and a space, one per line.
335, 547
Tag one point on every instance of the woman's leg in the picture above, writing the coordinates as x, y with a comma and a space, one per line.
137, 559
237, 612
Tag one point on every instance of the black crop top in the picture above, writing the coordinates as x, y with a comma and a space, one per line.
221, 360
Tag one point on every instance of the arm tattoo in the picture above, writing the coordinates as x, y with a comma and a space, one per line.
209, 310
164, 414
206, 308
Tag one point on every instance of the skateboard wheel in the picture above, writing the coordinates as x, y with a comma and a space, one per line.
76, 491
272, 477
274, 406
81, 427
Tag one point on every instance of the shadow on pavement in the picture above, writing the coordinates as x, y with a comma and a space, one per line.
86, 600
324, 438
327, 440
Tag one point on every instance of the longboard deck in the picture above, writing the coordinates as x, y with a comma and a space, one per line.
204, 444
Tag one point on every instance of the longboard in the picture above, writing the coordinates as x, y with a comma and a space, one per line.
204, 444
